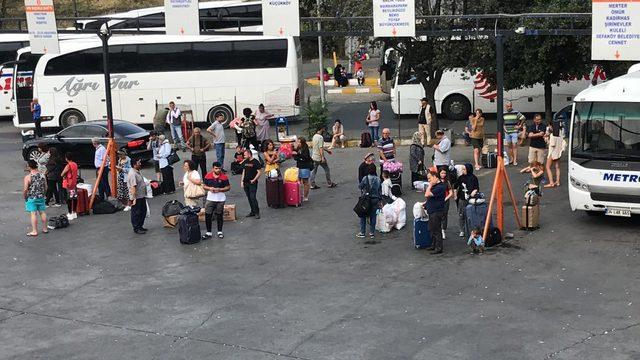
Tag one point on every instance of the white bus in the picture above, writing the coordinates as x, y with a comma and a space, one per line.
205, 74
604, 159
153, 18
460, 92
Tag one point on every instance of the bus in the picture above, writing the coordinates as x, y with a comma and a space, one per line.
208, 75
459, 92
604, 158
153, 18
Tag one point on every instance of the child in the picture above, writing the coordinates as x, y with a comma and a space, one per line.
238, 158
476, 242
360, 76
387, 196
537, 173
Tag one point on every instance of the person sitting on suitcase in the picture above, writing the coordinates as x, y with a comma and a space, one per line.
387, 196
465, 187
476, 242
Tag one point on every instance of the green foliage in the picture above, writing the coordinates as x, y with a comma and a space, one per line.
317, 115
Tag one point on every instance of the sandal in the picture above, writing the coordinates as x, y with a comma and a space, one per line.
315, 187
557, 184
550, 185
32, 234
478, 168
45, 231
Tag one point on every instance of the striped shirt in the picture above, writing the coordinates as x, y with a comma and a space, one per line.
387, 147
511, 121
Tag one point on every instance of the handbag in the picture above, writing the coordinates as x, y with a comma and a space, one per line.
363, 206
193, 191
173, 157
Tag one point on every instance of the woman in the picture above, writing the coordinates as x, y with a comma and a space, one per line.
302, 156
338, 134
448, 194
370, 184
248, 126
43, 159
477, 136
466, 187
416, 158
262, 119
373, 121
168, 184
363, 169
53, 173
556, 147
236, 124
123, 166
191, 181
69, 182
271, 158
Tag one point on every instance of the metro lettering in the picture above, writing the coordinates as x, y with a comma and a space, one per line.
608, 177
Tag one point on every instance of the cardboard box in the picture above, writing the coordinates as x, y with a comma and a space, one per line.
170, 221
228, 214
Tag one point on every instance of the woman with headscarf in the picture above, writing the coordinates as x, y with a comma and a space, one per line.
262, 129
466, 187
416, 158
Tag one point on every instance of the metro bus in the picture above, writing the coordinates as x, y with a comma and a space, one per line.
604, 158
206, 74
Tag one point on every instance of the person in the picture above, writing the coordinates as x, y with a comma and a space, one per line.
238, 158
302, 156
236, 124
448, 194
338, 134
339, 76
370, 184
466, 133
360, 76
373, 121
319, 160
425, 120
123, 166
199, 145
363, 169
33, 192
262, 127
416, 158
386, 148
250, 174
442, 151
69, 183
513, 125
43, 158
54, 180
435, 205
249, 130
271, 158
537, 173
476, 136
217, 131
476, 242
190, 178
101, 153
465, 187
537, 146
174, 120
154, 145
36, 111
217, 184
168, 184
386, 193
556, 147
137, 195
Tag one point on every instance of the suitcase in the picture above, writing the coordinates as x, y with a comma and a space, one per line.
421, 235
475, 216
275, 192
396, 179
189, 228
494, 237
365, 140
530, 217
293, 193
489, 160
82, 204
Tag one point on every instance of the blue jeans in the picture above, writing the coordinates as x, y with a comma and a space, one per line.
219, 153
374, 132
104, 190
372, 218
251, 191
176, 134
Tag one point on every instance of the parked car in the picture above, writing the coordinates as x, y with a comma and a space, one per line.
77, 140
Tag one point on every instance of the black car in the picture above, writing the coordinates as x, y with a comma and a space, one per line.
77, 140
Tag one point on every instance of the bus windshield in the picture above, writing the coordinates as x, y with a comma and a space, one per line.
606, 131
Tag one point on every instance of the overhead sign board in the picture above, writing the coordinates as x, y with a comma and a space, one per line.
281, 17
615, 30
394, 18
181, 17
41, 22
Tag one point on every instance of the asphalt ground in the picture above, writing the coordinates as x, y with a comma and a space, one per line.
297, 284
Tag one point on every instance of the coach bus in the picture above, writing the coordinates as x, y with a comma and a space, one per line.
604, 158
208, 75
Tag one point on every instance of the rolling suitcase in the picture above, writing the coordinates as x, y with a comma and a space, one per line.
530, 217
82, 204
421, 235
293, 193
275, 192
489, 160
189, 228
396, 180
475, 215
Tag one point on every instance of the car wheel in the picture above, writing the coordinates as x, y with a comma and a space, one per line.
71, 117
456, 107
220, 109
33, 154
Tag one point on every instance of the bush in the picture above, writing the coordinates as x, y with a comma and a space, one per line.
316, 114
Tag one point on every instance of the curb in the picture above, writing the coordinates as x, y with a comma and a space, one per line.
355, 90
355, 143
352, 82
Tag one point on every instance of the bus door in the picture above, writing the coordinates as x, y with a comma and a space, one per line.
23, 85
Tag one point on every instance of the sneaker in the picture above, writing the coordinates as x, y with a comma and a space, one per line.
251, 215
69, 216
461, 233
257, 216
332, 185
444, 234
305, 199
75, 215
371, 235
126, 208
207, 236
56, 205
360, 235
315, 187
220, 235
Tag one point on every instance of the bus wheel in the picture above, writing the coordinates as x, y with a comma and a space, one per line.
224, 110
456, 107
71, 117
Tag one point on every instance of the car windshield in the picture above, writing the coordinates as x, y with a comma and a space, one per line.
607, 131
126, 129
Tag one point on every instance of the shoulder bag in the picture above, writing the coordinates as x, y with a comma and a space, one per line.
193, 191
363, 206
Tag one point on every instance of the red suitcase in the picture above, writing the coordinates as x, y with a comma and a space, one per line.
82, 205
293, 193
275, 192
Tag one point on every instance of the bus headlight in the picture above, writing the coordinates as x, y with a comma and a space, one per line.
578, 184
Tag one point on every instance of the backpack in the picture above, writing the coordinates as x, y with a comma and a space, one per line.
58, 222
172, 208
103, 207
365, 140
494, 237
117, 204
249, 131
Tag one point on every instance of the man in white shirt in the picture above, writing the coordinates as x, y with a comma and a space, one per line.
174, 119
319, 160
442, 155
101, 152
217, 130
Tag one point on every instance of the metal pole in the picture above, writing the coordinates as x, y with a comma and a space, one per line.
320, 64
104, 35
75, 14
499, 89
398, 117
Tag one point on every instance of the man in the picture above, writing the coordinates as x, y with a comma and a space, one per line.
442, 154
217, 130
33, 192
101, 152
537, 145
435, 206
386, 147
319, 160
154, 146
137, 195
174, 119
425, 118
36, 111
217, 184
250, 174
513, 122
199, 145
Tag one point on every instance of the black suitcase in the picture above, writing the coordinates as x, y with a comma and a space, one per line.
275, 192
189, 228
489, 160
396, 179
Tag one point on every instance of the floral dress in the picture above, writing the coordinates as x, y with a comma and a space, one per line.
123, 189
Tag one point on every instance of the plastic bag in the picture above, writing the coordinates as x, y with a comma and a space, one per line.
400, 208
419, 211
